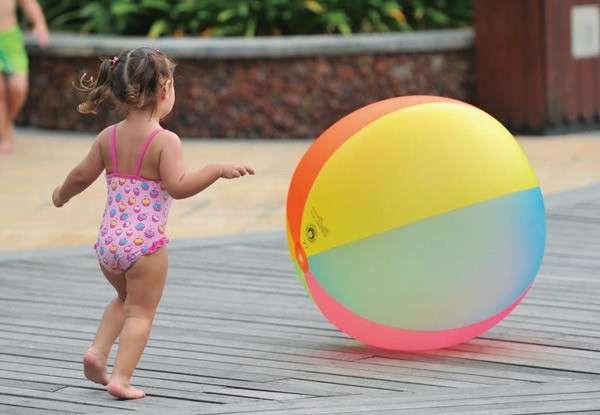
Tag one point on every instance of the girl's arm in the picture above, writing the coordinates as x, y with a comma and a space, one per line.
180, 184
83, 175
32, 9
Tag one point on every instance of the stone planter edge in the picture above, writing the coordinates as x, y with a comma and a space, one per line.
78, 45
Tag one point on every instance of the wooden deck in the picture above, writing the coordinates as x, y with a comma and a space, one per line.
235, 333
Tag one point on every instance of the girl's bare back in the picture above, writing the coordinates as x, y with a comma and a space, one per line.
130, 141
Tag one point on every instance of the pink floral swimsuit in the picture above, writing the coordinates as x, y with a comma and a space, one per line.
135, 219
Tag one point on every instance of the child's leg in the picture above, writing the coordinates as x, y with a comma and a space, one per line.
145, 283
94, 361
5, 144
17, 85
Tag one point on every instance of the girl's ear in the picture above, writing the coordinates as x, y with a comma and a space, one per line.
168, 85
166, 88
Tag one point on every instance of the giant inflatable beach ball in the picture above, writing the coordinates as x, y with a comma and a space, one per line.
416, 223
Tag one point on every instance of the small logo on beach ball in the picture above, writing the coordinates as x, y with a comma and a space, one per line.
311, 233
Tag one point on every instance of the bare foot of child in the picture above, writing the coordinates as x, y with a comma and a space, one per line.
124, 390
94, 366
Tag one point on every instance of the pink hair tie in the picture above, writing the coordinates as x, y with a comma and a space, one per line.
115, 59
156, 50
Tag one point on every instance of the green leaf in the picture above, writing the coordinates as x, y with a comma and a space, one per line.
437, 16
161, 5
314, 6
243, 9
339, 21
124, 8
250, 28
91, 9
225, 15
158, 28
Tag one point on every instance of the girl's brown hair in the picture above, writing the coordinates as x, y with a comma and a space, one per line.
132, 78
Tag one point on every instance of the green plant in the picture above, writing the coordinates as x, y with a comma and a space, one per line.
254, 17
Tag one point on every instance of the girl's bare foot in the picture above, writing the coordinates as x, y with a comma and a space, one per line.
94, 366
124, 390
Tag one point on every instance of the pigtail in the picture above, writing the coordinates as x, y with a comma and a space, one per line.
135, 96
97, 90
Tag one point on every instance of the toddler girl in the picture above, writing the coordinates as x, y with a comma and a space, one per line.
144, 171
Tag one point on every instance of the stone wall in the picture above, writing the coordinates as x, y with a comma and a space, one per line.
261, 93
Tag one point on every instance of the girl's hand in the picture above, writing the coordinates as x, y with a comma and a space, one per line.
58, 202
233, 171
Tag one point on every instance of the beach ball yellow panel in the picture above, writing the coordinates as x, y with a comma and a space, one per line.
416, 223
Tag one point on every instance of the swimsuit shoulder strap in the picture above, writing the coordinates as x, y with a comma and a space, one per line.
144, 148
113, 148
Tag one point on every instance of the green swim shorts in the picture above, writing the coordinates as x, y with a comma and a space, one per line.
13, 58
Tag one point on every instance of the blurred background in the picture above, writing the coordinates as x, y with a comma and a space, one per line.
251, 84
258, 80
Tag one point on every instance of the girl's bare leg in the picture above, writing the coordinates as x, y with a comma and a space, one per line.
94, 361
145, 282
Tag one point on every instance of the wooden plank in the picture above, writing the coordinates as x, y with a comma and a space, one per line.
191, 388
534, 100
48, 400
56, 360
435, 366
553, 86
446, 400
24, 410
343, 374
568, 66
570, 404
35, 384
187, 340
153, 399
175, 391
587, 88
